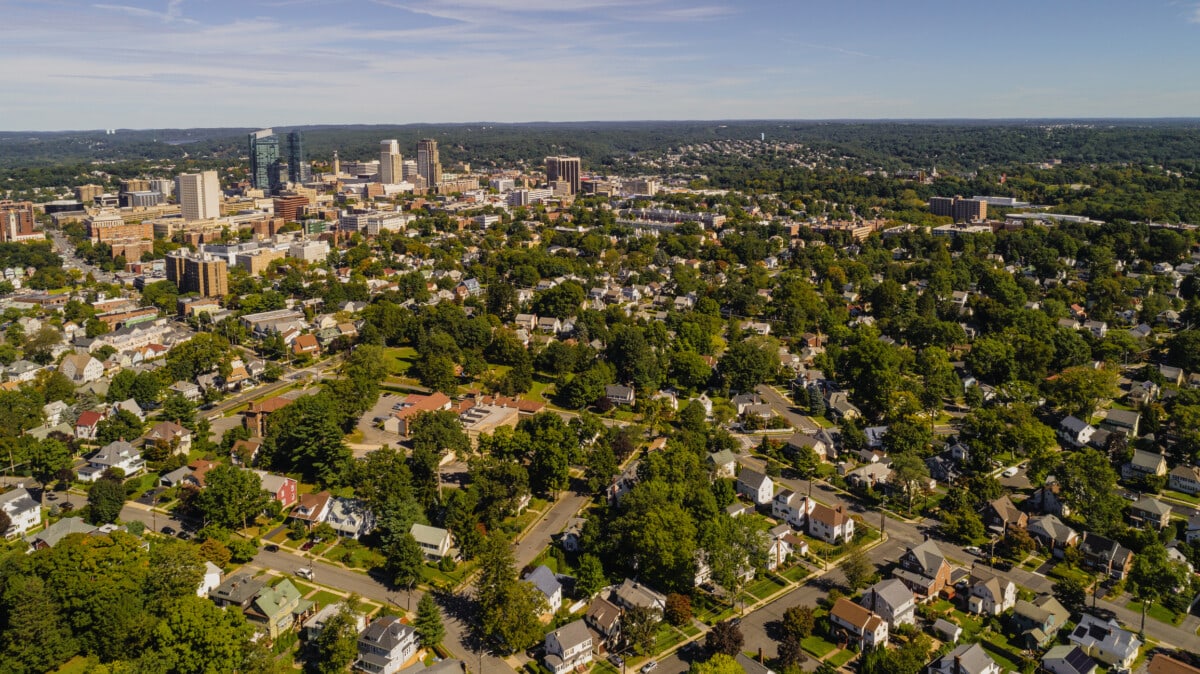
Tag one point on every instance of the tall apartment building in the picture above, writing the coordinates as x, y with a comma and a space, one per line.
199, 195
962, 210
299, 170
566, 169
135, 185
391, 164
16, 221
88, 193
264, 152
429, 164
410, 169
198, 273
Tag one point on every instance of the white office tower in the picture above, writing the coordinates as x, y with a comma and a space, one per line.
391, 166
199, 195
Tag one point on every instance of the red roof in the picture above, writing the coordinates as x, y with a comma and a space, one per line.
417, 403
89, 419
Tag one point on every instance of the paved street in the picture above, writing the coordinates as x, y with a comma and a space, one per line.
553, 522
784, 408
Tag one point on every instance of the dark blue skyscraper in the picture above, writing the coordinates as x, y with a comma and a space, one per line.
298, 169
264, 151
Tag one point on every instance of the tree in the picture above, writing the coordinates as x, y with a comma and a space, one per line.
749, 363
429, 622
1154, 576
725, 637
213, 550
806, 461
1079, 390
791, 652
717, 664
798, 622
639, 625
439, 432
679, 609
857, 568
1071, 591
337, 644
105, 500
176, 570
306, 436
590, 575
1089, 486
232, 497
35, 637
910, 474
404, 560
179, 409
195, 636
46, 458
124, 425
508, 608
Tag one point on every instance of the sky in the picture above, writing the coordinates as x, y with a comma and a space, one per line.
76, 64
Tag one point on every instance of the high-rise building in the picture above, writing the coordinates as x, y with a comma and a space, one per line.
264, 152
410, 170
962, 210
164, 186
88, 193
199, 195
566, 169
289, 207
391, 165
16, 221
299, 170
135, 185
429, 165
200, 273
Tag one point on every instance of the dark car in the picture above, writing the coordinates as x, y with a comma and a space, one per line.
271, 547
185, 536
617, 660
308, 546
168, 531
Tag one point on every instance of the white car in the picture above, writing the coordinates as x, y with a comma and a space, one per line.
305, 572
649, 666
1011, 471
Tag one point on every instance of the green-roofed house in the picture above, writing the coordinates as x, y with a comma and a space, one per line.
277, 608
51, 535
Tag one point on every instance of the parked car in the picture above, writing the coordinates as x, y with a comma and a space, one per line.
649, 666
170, 531
617, 660
308, 546
271, 547
1011, 471
974, 550
305, 572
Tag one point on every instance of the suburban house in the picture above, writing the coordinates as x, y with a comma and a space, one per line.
255, 416
237, 591
116, 454
831, 525
81, 368
722, 463
604, 617
312, 508
1185, 479
23, 512
1039, 621
1103, 554
990, 594
277, 608
86, 424
1106, 641
211, 581
1075, 432
1068, 659
632, 593
1052, 534
282, 489
619, 395
924, 570
1122, 420
547, 583
568, 648
1162, 663
306, 344
316, 624
350, 517
1047, 499
892, 600
1149, 512
801, 441
386, 646
792, 508
853, 624
572, 535
172, 434
1147, 463
1001, 514
755, 486
435, 542
966, 659
784, 544
871, 475
51, 535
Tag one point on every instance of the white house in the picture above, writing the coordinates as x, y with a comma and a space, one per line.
23, 512
990, 594
1068, 659
81, 368
568, 648
966, 659
1106, 641
892, 600
385, 646
116, 454
212, 578
547, 583
755, 486
435, 542
858, 625
831, 525
350, 517
792, 508
1075, 432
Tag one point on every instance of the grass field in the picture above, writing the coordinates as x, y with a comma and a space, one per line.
1157, 611
765, 587
841, 657
1001, 652
325, 598
400, 359
817, 646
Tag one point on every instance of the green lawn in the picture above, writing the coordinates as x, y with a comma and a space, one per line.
970, 624
325, 598
817, 646
1063, 571
841, 657
76, 665
708, 609
400, 359
1000, 651
1178, 495
667, 637
941, 606
797, 573
1157, 611
765, 587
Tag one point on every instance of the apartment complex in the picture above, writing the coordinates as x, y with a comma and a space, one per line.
198, 273
429, 164
962, 210
16, 221
564, 169
391, 164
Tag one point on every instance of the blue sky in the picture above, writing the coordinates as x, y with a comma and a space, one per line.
74, 64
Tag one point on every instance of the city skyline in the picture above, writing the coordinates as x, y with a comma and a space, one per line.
74, 64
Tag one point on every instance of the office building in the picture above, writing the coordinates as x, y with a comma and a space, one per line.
361, 169
429, 164
566, 169
143, 199
410, 169
391, 165
135, 185
16, 221
164, 186
264, 152
199, 195
107, 225
255, 262
962, 210
198, 273
290, 207
299, 171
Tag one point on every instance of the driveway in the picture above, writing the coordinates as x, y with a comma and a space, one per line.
784, 408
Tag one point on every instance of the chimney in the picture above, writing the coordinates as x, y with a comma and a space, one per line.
958, 664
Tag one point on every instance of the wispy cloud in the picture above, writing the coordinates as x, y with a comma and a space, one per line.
1194, 17
172, 13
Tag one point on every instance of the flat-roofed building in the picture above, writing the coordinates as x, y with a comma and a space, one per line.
198, 273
